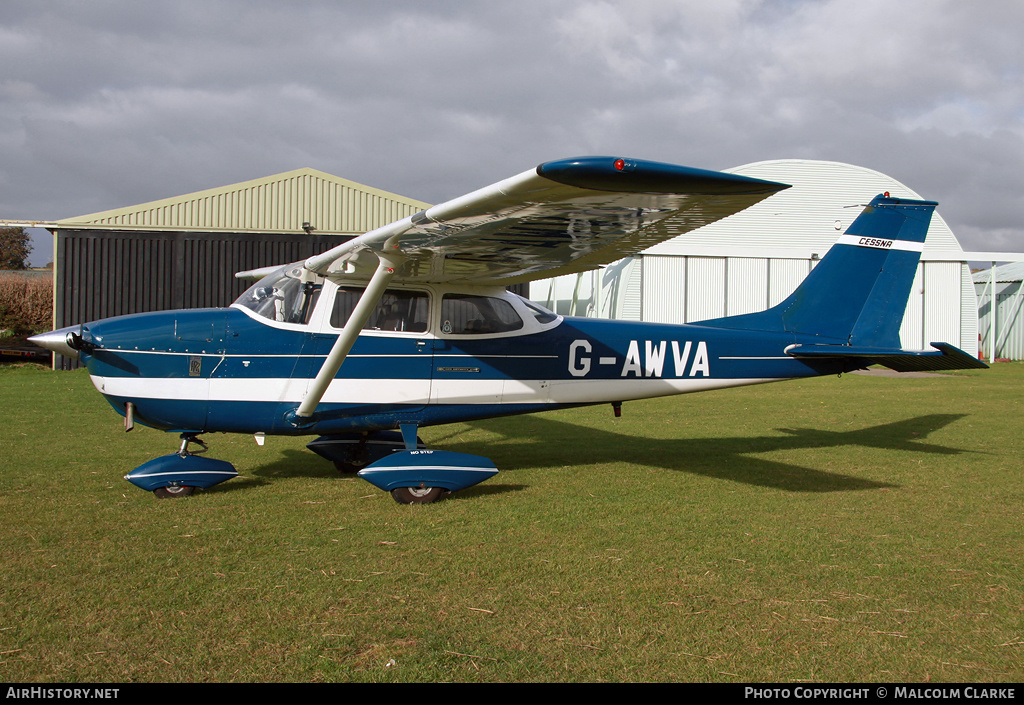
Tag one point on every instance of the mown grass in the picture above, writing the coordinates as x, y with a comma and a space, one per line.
853, 529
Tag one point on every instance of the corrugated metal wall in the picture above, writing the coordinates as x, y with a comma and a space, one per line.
1009, 320
686, 289
746, 285
912, 329
942, 310
705, 287
784, 276
665, 303
968, 311
112, 273
939, 308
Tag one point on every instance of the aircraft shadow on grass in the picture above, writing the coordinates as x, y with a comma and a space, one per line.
537, 441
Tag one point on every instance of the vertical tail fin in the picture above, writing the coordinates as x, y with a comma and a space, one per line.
858, 293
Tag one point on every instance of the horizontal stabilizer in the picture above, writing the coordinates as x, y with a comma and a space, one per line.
944, 357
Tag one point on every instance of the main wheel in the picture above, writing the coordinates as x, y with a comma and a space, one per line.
172, 491
418, 495
348, 468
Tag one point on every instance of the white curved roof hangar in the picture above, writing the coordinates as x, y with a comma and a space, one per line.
755, 258
806, 219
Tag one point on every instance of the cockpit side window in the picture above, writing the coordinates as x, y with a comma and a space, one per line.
282, 296
468, 314
398, 310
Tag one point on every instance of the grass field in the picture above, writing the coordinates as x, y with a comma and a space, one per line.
838, 529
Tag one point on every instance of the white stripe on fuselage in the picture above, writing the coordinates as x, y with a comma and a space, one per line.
262, 356
411, 391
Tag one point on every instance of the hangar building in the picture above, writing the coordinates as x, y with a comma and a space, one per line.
1003, 324
754, 259
183, 252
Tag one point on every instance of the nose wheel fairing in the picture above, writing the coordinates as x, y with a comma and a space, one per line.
180, 471
178, 474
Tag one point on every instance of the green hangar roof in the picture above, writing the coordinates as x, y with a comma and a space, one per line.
282, 203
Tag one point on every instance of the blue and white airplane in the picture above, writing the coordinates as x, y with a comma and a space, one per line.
411, 325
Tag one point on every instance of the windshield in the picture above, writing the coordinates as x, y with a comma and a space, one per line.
282, 296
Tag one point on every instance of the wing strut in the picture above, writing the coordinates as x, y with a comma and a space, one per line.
360, 314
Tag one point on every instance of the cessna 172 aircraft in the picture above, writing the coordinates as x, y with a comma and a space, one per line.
412, 325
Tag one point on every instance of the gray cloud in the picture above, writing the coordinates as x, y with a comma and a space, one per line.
106, 104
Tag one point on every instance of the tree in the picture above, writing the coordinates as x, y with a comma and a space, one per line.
15, 245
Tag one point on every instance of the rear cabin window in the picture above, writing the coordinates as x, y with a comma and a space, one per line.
539, 312
466, 314
398, 311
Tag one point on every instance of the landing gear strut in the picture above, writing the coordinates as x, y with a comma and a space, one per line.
351, 452
187, 438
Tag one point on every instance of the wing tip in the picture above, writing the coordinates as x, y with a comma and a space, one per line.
642, 176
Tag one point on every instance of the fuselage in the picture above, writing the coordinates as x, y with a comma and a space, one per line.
430, 355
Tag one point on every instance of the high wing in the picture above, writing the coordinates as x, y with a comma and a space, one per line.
563, 217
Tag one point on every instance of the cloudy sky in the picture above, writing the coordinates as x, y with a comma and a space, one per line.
106, 104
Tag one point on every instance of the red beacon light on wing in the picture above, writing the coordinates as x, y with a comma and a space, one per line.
620, 164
